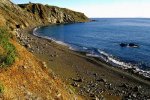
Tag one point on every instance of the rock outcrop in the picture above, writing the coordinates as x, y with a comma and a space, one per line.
132, 45
53, 14
24, 15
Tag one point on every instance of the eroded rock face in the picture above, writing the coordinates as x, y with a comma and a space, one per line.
25, 15
54, 14
13, 15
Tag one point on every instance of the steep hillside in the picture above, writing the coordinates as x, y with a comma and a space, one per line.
25, 76
14, 17
54, 14
28, 78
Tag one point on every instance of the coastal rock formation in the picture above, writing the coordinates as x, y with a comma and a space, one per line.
123, 44
133, 45
53, 14
20, 16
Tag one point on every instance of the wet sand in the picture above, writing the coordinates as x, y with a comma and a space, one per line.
89, 77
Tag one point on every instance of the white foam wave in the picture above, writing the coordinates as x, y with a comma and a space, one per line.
92, 55
49, 38
61, 43
85, 48
73, 49
35, 31
124, 65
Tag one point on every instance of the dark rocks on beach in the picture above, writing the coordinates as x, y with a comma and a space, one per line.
75, 84
88, 90
78, 80
95, 74
27, 46
101, 80
134, 96
136, 88
131, 70
95, 98
54, 55
91, 94
124, 86
18, 26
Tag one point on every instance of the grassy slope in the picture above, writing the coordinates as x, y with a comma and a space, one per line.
9, 51
26, 77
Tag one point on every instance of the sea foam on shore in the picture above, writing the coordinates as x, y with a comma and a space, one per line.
49, 38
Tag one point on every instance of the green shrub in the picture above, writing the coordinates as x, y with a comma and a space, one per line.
9, 59
1, 88
9, 56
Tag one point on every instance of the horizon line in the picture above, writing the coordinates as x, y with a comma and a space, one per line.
120, 17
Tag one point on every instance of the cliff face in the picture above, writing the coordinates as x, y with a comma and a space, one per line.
12, 16
54, 14
24, 15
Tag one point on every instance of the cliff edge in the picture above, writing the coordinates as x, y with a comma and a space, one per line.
53, 14
24, 15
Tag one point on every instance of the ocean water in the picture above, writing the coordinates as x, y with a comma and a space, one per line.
102, 38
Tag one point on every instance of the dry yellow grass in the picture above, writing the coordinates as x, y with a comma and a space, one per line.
29, 79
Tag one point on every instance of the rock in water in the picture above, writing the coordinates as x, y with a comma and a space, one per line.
123, 44
133, 45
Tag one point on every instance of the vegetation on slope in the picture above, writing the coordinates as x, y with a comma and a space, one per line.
8, 56
28, 78
1, 88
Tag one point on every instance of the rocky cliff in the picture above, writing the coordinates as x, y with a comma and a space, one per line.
53, 14
24, 15
14, 17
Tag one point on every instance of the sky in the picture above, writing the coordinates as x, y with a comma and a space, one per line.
102, 8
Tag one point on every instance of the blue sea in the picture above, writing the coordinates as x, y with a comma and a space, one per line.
101, 38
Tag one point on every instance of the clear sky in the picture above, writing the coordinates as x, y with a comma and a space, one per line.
101, 8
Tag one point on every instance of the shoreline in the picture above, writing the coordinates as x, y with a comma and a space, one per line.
125, 67
106, 75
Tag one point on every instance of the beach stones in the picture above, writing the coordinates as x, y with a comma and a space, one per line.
137, 88
101, 80
124, 86
78, 80
75, 84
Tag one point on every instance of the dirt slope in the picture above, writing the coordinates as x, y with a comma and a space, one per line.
29, 78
